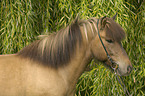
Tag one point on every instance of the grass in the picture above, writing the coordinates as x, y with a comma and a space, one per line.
23, 20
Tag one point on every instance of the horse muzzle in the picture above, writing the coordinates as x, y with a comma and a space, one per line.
122, 73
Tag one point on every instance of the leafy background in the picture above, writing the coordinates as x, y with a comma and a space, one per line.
21, 21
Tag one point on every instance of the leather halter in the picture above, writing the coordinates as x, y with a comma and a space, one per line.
110, 59
120, 80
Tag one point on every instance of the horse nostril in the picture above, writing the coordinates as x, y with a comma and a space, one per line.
129, 68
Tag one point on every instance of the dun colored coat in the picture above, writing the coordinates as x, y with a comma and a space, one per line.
52, 65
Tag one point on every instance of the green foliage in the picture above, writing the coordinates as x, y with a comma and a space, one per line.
17, 25
23, 20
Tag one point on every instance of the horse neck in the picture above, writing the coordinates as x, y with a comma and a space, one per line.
76, 67
79, 61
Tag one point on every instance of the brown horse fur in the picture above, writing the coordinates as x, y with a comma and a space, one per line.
52, 65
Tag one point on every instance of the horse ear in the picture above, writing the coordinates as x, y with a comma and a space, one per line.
103, 22
114, 17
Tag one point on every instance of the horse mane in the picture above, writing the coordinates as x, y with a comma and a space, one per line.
56, 49
115, 30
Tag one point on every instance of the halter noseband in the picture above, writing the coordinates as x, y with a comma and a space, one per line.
120, 80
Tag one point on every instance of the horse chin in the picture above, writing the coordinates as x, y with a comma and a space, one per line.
108, 65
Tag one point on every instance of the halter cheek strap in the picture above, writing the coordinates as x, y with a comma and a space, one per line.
120, 80
110, 59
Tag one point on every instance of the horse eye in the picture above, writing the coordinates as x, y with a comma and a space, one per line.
109, 41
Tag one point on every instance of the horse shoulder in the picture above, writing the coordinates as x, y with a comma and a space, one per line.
44, 80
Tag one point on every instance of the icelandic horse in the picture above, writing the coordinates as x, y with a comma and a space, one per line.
52, 65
